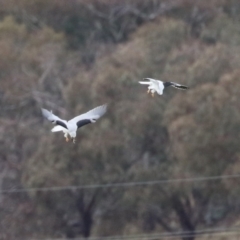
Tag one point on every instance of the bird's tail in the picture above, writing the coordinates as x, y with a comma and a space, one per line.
57, 128
147, 83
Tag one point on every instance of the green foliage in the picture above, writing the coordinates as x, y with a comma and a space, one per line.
9, 29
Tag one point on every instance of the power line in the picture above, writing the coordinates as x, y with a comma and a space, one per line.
233, 233
122, 184
180, 234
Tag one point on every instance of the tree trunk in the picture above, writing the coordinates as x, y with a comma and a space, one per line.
86, 224
86, 213
184, 219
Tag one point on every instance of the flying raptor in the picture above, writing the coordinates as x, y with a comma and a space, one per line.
70, 127
158, 86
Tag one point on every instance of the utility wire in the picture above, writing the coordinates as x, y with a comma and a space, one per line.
180, 234
122, 184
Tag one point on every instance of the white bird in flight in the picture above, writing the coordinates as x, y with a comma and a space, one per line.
70, 127
158, 86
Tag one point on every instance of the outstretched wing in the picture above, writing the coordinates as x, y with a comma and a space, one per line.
178, 86
53, 118
89, 117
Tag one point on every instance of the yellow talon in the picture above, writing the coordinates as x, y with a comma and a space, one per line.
67, 139
148, 91
153, 94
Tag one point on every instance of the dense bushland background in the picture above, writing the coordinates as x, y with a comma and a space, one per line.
71, 56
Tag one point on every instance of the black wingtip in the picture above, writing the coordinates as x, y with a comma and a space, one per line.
182, 87
185, 87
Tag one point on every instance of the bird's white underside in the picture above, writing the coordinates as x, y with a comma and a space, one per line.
154, 85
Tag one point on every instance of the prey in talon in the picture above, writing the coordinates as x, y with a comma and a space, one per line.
69, 128
151, 91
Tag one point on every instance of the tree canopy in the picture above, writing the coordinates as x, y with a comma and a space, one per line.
70, 58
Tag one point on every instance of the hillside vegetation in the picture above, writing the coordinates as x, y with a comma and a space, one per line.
71, 57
